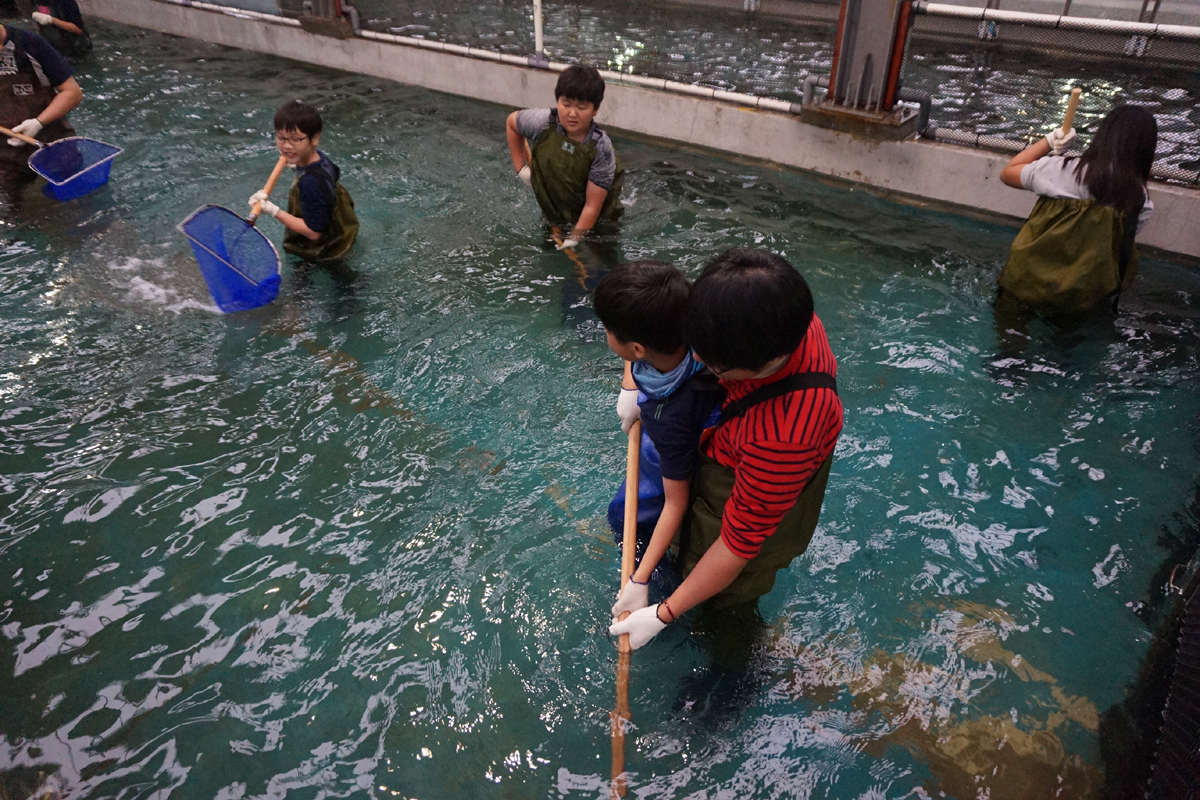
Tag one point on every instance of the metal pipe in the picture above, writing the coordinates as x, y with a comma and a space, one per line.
1089, 24
811, 82
235, 12
351, 13
924, 102
538, 59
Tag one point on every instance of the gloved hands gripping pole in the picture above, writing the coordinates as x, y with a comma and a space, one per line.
259, 202
1060, 139
28, 129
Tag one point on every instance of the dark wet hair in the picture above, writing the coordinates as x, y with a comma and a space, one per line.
1116, 165
297, 115
746, 309
644, 302
580, 83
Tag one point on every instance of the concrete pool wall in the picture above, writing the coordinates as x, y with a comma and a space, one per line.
959, 178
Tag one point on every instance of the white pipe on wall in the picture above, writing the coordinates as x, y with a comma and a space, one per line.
539, 45
742, 125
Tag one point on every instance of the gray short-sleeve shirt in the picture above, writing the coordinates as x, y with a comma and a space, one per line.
533, 122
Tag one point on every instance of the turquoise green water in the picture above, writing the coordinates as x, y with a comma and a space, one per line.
353, 545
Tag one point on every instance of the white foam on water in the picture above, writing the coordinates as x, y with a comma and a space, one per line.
134, 264
143, 290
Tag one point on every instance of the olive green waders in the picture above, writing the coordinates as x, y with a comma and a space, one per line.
1070, 256
559, 171
712, 485
336, 240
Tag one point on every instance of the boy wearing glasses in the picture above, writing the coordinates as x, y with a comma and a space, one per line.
320, 219
642, 306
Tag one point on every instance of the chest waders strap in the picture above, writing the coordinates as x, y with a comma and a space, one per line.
792, 383
559, 172
1127, 254
24, 64
337, 239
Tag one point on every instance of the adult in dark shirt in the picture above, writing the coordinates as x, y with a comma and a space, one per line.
37, 91
61, 24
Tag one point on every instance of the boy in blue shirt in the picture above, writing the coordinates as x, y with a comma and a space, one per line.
642, 306
320, 219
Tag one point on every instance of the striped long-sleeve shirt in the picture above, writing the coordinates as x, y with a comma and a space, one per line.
776, 446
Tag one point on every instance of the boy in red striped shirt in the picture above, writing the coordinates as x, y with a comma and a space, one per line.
758, 489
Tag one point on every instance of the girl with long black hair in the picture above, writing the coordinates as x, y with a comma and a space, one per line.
1076, 251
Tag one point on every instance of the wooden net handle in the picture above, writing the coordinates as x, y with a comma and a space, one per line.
629, 547
21, 136
1072, 104
271, 181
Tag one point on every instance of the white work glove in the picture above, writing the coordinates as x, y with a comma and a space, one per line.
30, 127
1060, 142
634, 596
642, 626
42, 19
267, 206
627, 408
567, 244
526, 176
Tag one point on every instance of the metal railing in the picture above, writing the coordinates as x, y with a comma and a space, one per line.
983, 77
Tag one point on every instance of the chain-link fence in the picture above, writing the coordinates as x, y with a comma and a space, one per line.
1008, 79
997, 71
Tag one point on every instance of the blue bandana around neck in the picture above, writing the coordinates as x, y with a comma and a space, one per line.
657, 385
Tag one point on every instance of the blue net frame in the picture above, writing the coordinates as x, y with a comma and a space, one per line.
239, 264
74, 166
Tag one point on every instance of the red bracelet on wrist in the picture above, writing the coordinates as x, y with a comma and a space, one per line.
667, 606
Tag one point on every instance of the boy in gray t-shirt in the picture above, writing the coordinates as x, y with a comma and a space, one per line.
566, 158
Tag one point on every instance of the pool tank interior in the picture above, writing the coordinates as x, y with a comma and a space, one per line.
353, 544
1007, 91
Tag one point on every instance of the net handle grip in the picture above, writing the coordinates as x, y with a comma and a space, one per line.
21, 136
1072, 104
270, 184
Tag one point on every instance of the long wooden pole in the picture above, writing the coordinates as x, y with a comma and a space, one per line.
21, 136
581, 270
1072, 104
628, 551
270, 184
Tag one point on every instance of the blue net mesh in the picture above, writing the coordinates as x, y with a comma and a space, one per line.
74, 166
239, 264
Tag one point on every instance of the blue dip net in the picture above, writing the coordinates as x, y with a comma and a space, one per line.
239, 264
74, 166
